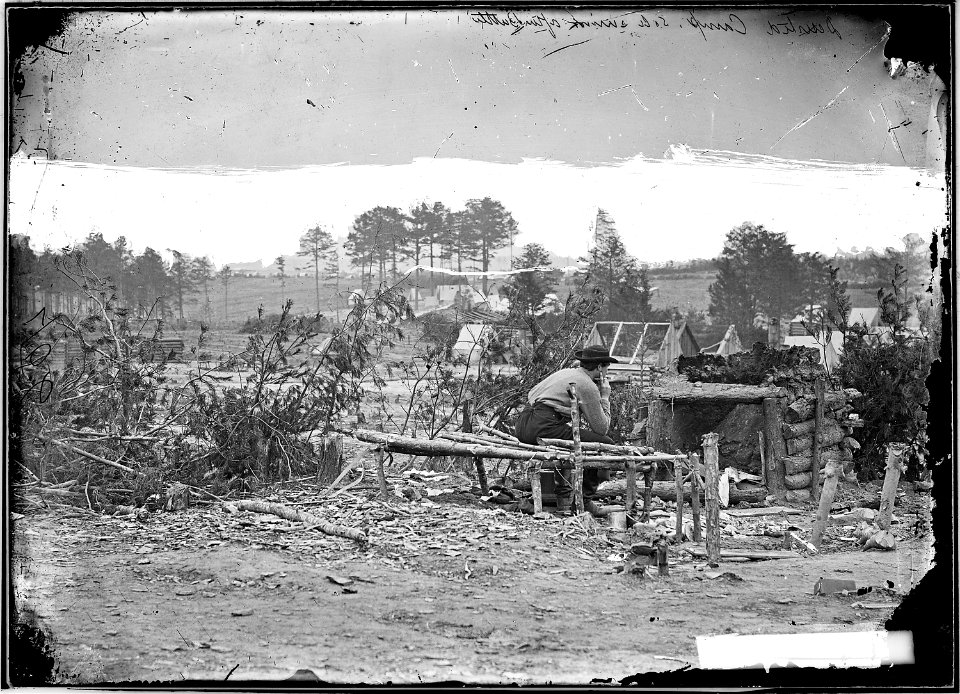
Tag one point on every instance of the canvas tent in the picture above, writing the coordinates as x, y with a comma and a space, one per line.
641, 346
730, 344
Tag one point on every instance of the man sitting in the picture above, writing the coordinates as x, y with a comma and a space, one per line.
547, 416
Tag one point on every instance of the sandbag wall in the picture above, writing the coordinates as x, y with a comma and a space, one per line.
837, 441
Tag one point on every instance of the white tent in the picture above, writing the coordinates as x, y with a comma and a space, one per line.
473, 340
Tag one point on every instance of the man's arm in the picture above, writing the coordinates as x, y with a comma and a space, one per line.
595, 408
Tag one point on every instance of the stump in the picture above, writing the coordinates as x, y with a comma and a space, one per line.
330, 461
177, 497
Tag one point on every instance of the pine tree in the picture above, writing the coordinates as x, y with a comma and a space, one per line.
491, 226
617, 274
314, 244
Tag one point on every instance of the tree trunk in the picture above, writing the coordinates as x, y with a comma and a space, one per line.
891, 481
331, 458
774, 454
316, 277
711, 460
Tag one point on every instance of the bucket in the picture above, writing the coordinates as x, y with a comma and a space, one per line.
617, 519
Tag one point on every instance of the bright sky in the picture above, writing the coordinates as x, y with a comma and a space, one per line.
672, 209
229, 133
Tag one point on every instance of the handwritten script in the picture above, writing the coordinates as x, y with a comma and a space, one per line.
730, 24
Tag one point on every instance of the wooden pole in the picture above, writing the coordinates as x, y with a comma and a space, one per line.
826, 500
711, 459
817, 439
647, 492
656, 421
775, 449
630, 498
695, 494
381, 475
534, 472
891, 480
481, 475
678, 482
577, 451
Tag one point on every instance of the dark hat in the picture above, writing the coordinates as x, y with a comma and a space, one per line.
595, 354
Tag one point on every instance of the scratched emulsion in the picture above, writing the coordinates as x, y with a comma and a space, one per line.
190, 129
280, 88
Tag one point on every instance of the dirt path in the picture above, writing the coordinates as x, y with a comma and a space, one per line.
202, 595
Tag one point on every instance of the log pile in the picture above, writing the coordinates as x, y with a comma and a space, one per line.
836, 439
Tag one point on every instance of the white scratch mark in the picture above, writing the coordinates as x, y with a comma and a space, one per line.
638, 99
441, 145
871, 116
885, 35
716, 97
450, 62
890, 128
822, 109
615, 89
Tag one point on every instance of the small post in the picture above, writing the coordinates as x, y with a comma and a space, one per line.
891, 480
648, 475
534, 472
663, 567
695, 494
630, 499
678, 480
381, 476
481, 475
775, 449
817, 439
826, 500
711, 459
577, 451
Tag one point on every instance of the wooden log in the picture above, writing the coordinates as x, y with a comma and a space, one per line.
800, 480
577, 451
818, 438
657, 414
439, 447
802, 409
461, 437
687, 394
774, 454
754, 555
378, 455
695, 487
483, 428
891, 480
678, 482
795, 464
597, 446
667, 491
535, 488
830, 434
792, 431
798, 496
711, 460
630, 498
301, 517
600, 463
826, 499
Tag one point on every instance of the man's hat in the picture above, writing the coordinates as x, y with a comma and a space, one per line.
595, 354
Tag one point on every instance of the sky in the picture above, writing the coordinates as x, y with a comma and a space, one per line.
229, 133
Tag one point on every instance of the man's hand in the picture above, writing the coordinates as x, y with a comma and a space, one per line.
604, 386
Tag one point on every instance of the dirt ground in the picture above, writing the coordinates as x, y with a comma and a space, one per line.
447, 589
